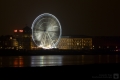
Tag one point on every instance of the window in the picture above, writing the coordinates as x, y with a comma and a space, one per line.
10, 37
15, 30
20, 30
99, 47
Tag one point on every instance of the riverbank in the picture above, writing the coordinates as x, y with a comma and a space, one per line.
56, 52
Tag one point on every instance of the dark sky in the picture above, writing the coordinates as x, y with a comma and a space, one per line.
77, 17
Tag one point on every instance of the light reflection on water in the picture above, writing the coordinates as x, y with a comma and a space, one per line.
46, 61
18, 62
56, 60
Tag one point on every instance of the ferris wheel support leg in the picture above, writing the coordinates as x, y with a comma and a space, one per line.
43, 39
51, 40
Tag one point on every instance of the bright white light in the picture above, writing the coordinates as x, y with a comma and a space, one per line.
46, 31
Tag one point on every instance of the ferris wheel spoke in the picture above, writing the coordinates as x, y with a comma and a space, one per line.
40, 27
38, 35
53, 33
51, 21
42, 41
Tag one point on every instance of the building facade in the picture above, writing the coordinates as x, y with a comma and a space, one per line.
24, 38
106, 42
8, 42
75, 42
27, 38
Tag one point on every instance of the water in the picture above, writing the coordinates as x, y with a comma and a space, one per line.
56, 60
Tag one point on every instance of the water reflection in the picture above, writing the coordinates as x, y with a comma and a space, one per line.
56, 60
18, 62
48, 60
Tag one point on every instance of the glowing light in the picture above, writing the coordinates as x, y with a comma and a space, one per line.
99, 46
15, 30
46, 31
20, 30
10, 37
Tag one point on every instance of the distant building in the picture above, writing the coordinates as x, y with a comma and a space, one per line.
24, 38
75, 42
27, 38
106, 42
18, 34
8, 42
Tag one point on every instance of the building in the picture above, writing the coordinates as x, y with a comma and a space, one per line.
75, 42
24, 38
8, 42
18, 34
106, 42
27, 38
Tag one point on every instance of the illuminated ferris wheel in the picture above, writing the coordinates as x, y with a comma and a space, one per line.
46, 31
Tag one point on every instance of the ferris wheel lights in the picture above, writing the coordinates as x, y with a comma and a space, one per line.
46, 31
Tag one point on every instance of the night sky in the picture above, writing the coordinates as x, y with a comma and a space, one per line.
77, 17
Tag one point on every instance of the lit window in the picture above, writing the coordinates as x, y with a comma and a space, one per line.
116, 46
93, 45
77, 43
10, 37
20, 30
15, 30
25, 36
99, 46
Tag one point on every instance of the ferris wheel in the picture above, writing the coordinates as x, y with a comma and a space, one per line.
46, 31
